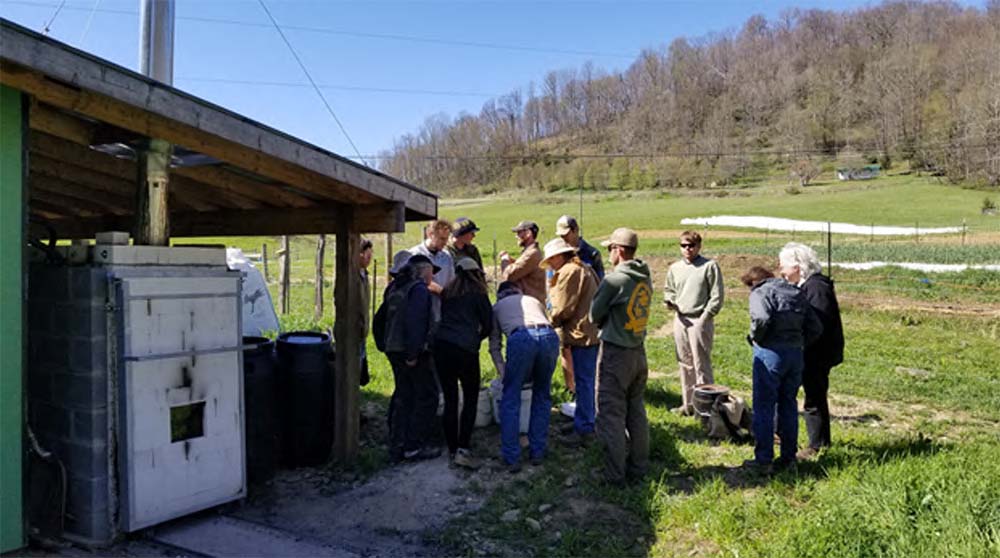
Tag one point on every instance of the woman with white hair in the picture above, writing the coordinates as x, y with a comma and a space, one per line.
800, 266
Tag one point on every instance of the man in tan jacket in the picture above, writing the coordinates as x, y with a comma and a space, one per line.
525, 271
572, 291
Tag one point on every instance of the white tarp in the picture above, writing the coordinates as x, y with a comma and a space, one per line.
258, 309
779, 224
925, 267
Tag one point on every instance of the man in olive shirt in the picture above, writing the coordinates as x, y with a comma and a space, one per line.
461, 245
694, 291
621, 312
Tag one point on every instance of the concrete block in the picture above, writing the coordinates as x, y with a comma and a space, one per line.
86, 495
84, 460
80, 391
40, 384
90, 426
88, 355
83, 320
92, 529
48, 282
48, 350
49, 421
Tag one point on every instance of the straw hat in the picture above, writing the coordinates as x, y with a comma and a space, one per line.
555, 247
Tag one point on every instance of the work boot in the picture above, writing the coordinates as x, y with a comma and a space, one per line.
754, 467
422, 454
464, 458
514, 468
786, 466
577, 440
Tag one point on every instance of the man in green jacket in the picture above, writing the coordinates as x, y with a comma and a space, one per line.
621, 312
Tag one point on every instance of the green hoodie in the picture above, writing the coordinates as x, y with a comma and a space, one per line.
621, 305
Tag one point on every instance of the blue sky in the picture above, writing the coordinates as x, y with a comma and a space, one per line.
336, 43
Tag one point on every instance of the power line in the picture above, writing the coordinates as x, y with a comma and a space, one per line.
340, 87
309, 77
90, 20
359, 34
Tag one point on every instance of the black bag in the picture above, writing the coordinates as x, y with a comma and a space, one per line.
378, 326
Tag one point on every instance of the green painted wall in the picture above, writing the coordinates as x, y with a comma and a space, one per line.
11, 319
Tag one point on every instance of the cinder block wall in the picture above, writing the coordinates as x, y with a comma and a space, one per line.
68, 389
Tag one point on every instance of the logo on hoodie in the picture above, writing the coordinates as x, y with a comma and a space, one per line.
637, 308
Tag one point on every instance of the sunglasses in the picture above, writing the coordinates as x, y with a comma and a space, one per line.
686, 245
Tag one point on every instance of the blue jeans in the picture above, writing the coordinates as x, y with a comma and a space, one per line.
777, 375
584, 371
531, 357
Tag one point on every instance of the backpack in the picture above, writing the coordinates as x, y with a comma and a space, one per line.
730, 418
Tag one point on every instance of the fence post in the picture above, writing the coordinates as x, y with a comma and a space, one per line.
388, 253
318, 296
284, 271
829, 250
263, 259
963, 232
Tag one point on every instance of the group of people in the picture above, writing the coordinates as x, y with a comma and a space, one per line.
556, 303
795, 332
551, 302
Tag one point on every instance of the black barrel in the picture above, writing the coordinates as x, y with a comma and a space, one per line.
306, 392
260, 408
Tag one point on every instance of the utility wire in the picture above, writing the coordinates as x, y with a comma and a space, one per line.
313, 82
380, 36
48, 26
90, 19
340, 87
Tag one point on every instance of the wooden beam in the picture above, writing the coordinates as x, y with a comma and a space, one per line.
76, 80
269, 194
250, 222
348, 340
81, 196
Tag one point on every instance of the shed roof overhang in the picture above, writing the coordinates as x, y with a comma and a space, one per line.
231, 175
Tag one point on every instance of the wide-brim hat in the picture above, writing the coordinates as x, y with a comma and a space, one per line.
555, 247
623, 237
420, 258
464, 225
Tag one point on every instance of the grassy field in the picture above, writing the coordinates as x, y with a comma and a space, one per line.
915, 469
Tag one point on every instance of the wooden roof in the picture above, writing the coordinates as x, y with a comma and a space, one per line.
233, 176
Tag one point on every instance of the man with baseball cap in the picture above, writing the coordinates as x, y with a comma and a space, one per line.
569, 230
621, 311
572, 290
525, 271
461, 245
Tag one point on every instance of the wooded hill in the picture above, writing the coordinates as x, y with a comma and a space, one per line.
901, 83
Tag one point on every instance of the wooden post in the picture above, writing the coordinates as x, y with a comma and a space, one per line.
318, 297
347, 336
388, 253
263, 259
152, 219
284, 272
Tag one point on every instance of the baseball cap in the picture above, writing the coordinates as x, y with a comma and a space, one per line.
526, 225
464, 225
565, 224
623, 237
467, 264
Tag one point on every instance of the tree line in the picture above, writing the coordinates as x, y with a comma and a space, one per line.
899, 82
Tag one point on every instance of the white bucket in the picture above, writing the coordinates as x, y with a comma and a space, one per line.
496, 390
484, 411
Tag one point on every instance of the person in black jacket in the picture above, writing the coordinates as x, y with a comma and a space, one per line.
800, 266
406, 336
466, 319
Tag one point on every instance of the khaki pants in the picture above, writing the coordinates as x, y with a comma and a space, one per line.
694, 354
621, 412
